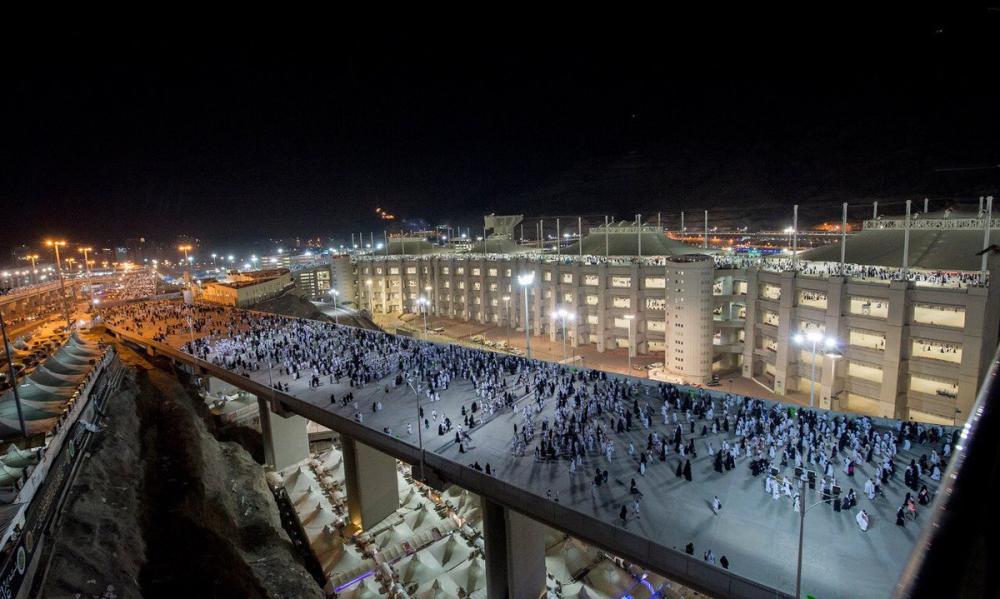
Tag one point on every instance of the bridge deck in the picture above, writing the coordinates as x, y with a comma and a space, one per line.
757, 534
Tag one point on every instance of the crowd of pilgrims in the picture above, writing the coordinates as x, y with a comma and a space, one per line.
572, 416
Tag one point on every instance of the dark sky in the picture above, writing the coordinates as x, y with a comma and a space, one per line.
305, 131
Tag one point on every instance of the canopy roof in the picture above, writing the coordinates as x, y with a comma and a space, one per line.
627, 244
930, 249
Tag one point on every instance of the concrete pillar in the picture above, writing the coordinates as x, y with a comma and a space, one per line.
515, 553
602, 307
372, 485
832, 395
286, 440
895, 373
787, 351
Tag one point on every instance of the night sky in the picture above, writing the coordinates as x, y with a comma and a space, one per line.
235, 137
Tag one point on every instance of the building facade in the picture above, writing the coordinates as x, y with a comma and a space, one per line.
907, 351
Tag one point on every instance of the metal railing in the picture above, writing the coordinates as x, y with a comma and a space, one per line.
958, 552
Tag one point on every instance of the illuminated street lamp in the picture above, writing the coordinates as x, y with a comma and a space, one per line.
62, 283
631, 341
525, 280
213, 260
815, 339
334, 293
423, 302
506, 303
563, 315
86, 251
34, 271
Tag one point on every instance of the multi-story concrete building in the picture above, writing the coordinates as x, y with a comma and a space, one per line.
913, 342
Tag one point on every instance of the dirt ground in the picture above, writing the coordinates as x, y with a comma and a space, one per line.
163, 509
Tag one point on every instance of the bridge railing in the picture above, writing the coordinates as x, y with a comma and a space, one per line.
958, 552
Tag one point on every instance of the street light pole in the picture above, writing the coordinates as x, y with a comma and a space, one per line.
506, 303
62, 282
336, 317
34, 271
13, 375
802, 528
631, 342
814, 338
525, 281
422, 302
420, 429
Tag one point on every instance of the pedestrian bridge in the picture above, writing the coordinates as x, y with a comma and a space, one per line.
760, 541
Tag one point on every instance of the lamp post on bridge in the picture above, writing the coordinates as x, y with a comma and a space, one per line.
525, 280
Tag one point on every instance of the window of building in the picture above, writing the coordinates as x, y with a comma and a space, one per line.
567, 277
770, 292
936, 350
655, 303
812, 299
931, 385
621, 282
655, 283
622, 302
939, 315
592, 300
592, 280
866, 339
867, 306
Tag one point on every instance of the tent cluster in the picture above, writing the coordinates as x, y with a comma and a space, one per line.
50, 391
431, 547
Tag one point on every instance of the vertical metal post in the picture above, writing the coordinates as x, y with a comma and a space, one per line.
795, 235
802, 527
385, 240
638, 228
558, 239
927, 202
906, 240
706, 230
579, 233
607, 244
659, 222
875, 210
986, 232
541, 233
13, 376
62, 286
843, 239
527, 325
682, 221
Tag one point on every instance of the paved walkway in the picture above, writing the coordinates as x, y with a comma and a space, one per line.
756, 533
